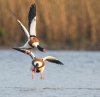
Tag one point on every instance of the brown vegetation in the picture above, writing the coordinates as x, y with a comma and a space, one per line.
71, 24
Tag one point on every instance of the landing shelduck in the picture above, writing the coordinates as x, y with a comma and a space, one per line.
38, 64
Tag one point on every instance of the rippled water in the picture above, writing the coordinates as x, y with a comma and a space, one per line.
79, 77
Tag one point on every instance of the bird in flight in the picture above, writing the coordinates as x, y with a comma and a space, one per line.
38, 64
32, 40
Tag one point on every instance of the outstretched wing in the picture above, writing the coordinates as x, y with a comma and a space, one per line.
24, 29
53, 60
32, 20
26, 51
22, 26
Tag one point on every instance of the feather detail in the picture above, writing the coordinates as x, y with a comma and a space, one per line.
53, 60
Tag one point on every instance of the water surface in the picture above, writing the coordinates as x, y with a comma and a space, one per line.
78, 77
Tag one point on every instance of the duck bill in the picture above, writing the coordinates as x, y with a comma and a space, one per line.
35, 69
41, 49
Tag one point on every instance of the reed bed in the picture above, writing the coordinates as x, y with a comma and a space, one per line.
63, 24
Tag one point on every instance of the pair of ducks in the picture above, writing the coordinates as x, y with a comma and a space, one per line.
38, 64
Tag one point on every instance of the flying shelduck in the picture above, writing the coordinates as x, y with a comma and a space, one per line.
32, 40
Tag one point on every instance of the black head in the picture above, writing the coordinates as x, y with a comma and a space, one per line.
36, 66
41, 49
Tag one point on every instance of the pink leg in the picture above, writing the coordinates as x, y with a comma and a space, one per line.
32, 74
41, 77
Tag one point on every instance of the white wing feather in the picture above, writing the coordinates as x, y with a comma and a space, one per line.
53, 60
24, 29
49, 57
33, 27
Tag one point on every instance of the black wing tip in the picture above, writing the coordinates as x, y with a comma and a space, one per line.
32, 13
15, 48
60, 63
33, 5
18, 49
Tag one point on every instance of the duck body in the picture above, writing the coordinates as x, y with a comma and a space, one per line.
39, 64
33, 42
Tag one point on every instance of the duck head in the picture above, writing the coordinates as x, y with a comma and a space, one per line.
37, 63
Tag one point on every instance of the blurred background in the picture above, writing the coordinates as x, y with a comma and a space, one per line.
66, 29
61, 24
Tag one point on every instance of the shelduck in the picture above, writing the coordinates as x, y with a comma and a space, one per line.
38, 64
32, 40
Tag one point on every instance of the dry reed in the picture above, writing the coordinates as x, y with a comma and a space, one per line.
72, 24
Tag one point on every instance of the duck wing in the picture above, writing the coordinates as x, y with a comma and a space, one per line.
53, 60
24, 29
26, 51
32, 20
